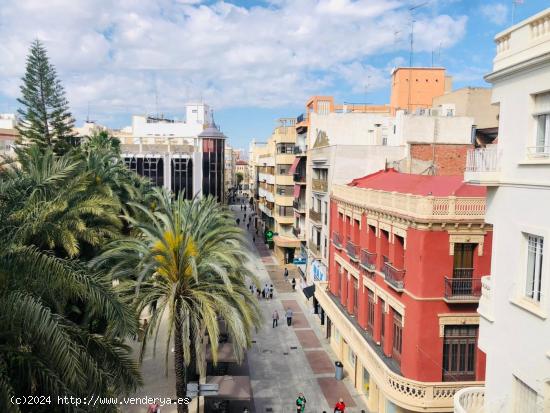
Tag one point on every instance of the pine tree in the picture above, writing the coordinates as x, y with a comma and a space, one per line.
45, 119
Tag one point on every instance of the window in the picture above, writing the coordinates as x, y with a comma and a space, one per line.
459, 352
355, 295
370, 307
534, 267
351, 357
525, 398
325, 250
382, 304
283, 169
543, 133
366, 381
397, 335
326, 213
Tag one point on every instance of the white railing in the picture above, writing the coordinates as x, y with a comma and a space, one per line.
503, 43
469, 400
483, 159
485, 307
409, 394
540, 27
415, 206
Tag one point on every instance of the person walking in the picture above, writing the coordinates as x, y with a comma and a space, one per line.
254, 239
248, 226
293, 284
271, 292
340, 406
301, 403
275, 317
286, 274
244, 219
288, 317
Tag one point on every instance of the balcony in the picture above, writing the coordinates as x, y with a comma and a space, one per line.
395, 277
483, 165
298, 233
299, 178
469, 400
302, 118
299, 206
352, 250
319, 185
462, 287
485, 308
315, 216
418, 207
336, 240
314, 248
410, 395
368, 260
300, 150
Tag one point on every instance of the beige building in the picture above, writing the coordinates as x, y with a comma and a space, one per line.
229, 169
474, 102
8, 134
276, 188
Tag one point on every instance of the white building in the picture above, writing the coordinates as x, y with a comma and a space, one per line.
179, 155
515, 302
8, 133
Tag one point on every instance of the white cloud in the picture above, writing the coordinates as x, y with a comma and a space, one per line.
497, 13
117, 54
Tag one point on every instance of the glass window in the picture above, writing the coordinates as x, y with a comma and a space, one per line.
351, 357
459, 352
397, 336
366, 382
543, 133
534, 267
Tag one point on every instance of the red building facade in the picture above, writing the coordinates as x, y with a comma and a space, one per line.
405, 266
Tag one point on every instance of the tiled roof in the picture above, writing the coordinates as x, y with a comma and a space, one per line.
390, 180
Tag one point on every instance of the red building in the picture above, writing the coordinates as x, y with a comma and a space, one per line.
405, 266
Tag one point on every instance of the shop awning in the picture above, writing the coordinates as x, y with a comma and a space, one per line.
309, 291
297, 191
287, 242
232, 387
292, 169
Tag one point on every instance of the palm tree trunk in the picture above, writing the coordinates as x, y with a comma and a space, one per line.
179, 367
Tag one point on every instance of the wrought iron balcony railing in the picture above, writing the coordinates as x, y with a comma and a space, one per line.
319, 185
353, 250
315, 215
336, 240
368, 260
395, 277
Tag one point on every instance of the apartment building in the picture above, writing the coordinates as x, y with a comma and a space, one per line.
255, 149
276, 188
515, 301
335, 143
399, 308
229, 168
179, 155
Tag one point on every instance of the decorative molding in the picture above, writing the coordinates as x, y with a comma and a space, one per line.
464, 239
456, 319
389, 300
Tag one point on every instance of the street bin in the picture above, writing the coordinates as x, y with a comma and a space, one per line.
339, 370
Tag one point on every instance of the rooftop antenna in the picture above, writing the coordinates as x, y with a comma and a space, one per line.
411, 51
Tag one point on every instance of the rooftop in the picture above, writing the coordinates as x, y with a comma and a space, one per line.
392, 181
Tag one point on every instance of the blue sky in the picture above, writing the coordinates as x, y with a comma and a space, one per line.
253, 61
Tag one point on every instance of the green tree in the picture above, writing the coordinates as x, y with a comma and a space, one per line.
62, 325
189, 262
239, 176
45, 119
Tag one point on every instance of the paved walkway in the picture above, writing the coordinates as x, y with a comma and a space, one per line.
286, 360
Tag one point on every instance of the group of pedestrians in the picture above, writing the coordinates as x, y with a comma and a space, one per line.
275, 317
266, 292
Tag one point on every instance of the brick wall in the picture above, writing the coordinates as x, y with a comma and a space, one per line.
449, 159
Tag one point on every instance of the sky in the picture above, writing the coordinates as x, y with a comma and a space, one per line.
253, 61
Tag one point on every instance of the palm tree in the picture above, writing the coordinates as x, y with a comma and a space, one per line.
56, 205
44, 350
189, 261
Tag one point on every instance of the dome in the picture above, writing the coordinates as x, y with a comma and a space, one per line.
212, 132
